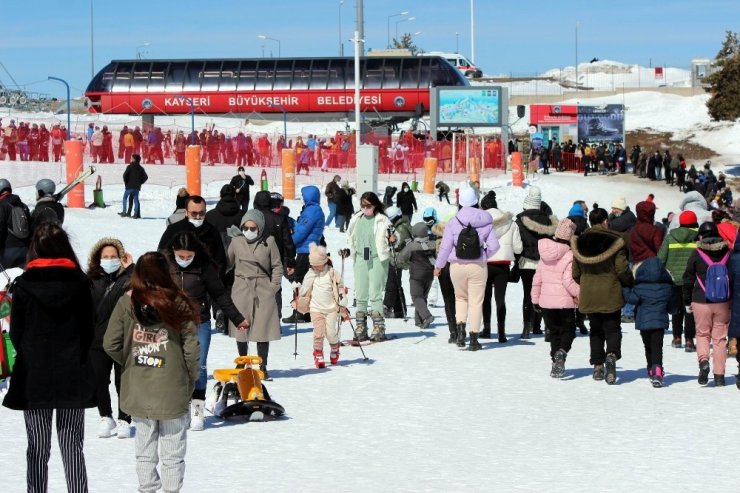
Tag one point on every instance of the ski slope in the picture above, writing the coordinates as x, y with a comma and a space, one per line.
420, 414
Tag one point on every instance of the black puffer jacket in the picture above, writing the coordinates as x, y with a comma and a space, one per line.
52, 331
276, 226
134, 176
227, 213
200, 280
7, 202
388, 197
344, 202
624, 222
40, 216
715, 249
406, 201
533, 226
106, 290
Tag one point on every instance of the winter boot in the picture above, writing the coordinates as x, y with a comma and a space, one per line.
732, 347
502, 335
526, 332
361, 326
676, 342
318, 358
453, 335
598, 372
485, 333
719, 380
460, 335
294, 318
198, 420
703, 372
657, 379
537, 331
334, 354
558, 364
124, 214
611, 369
378, 334
474, 344
689, 347
267, 377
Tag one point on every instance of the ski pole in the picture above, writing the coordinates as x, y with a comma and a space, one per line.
354, 338
295, 322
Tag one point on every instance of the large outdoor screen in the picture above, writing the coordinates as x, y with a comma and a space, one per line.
477, 106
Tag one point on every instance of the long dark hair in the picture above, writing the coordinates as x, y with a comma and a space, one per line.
186, 240
152, 286
374, 201
51, 241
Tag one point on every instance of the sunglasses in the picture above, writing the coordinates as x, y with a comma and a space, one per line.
197, 214
253, 229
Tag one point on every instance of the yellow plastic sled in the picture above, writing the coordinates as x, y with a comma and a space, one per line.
240, 391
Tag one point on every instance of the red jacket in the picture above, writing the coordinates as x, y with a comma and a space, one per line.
645, 238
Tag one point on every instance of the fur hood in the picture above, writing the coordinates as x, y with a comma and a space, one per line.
539, 228
502, 221
596, 245
711, 244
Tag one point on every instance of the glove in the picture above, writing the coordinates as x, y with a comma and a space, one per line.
688, 309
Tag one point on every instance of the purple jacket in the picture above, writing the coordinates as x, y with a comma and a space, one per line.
482, 222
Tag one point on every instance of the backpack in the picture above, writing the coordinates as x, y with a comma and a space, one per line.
716, 285
468, 243
19, 221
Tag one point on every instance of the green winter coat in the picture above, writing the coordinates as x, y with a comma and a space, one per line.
600, 267
677, 247
160, 365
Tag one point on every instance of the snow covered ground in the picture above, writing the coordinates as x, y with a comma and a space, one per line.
420, 414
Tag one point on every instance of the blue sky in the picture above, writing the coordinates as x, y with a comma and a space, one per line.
52, 37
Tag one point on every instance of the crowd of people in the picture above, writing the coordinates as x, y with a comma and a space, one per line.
129, 316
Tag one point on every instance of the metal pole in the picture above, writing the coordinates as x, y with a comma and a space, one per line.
192, 121
341, 44
358, 132
472, 31
576, 56
361, 26
69, 109
92, 44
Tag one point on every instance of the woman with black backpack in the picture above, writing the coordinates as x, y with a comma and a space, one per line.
467, 243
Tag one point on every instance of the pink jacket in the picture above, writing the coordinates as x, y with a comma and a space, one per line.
553, 285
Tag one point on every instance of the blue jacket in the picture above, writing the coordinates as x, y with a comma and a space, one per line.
309, 228
652, 295
734, 268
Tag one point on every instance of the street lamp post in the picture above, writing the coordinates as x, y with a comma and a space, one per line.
189, 100
262, 36
403, 20
69, 109
341, 43
285, 121
402, 14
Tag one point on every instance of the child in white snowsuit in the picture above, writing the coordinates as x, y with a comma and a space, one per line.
420, 255
322, 295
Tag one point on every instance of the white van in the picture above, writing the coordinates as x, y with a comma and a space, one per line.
457, 60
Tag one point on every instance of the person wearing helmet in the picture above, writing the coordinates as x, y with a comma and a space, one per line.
394, 302
48, 209
13, 243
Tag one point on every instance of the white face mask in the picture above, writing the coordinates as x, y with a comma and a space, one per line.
196, 222
251, 235
110, 265
183, 263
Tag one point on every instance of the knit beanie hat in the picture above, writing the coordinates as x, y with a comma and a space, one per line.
687, 218
565, 230
255, 216
317, 255
468, 197
577, 210
533, 199
619, 203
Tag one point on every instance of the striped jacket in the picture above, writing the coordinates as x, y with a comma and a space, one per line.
677, 247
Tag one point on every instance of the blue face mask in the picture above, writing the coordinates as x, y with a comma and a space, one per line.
110, 265
184, 263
